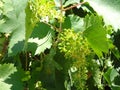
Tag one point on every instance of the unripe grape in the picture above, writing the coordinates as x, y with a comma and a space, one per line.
75, 48
45, 9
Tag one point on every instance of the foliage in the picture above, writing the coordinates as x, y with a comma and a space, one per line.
75, 48
59, 45
108, 9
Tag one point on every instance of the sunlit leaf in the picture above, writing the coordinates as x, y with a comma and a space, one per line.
74, 22
96, 34
109, 9
5, 86
42, 37
6, 70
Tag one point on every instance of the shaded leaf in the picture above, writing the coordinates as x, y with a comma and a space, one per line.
115, 87
16, 80
110, 76
10, 77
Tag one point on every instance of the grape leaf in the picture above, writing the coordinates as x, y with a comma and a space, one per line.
12, 10
19, 5
16, 80
14, 23
10, 77
73, 22
6, 70
5, 86
42, 36
18, 36
9, 24
18, 32
42, 44
110, 76
7, 6
96, 34
29, 25
110, 10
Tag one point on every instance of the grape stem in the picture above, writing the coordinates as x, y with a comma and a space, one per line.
68, 8
54, 28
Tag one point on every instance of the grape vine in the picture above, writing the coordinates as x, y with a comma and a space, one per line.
59, 45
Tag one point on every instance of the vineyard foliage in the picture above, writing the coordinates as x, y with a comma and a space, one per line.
59, 45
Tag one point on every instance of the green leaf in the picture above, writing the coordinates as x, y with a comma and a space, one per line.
113, 74
110, 75
42, 44
16, 80
29, 25
49, 70
117, 80
110, 10
10, 77
74, 22
6, 70
15, 24
42, 37
10, 24
18, 32
5, 86
115, 87
96, 34
19, 5
12, 10
18, 36
7, 6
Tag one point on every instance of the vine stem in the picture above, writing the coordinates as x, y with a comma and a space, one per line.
55, 28
68, 8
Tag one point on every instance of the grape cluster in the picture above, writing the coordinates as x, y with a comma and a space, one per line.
75, 48
73, 44
44, 10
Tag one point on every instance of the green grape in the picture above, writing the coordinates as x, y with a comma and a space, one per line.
73, 44
45, 10
75, 48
